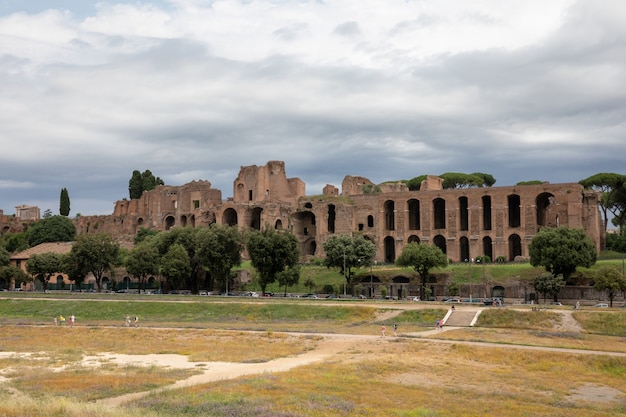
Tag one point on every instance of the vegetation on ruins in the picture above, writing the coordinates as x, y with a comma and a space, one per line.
271, 252
422, 258
347, 252
64, 203
51, 229
561, 250
613, 188
142, 181
460, 180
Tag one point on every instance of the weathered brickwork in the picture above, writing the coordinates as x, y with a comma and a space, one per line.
465, 223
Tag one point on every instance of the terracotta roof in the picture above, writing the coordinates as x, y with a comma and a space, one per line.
54, 247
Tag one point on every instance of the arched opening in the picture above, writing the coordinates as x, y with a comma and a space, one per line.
413, 238
390, 249
390, 220
192, 220
486, 212
170, 221
331, 218
229, 217
370, 221
140, 221
515, 247
414, 214
183, 220
487, 247
253, 217
278, 225
515, 219
304, 225
546, 210
464, 249
463, 213
440, 242
312, 248
439, 210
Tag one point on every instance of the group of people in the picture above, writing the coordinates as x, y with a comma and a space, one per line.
135, 321
383, 329
59, 321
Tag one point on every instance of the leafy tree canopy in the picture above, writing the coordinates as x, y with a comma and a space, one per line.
97, 253
549, 285
610, 280
613, 188
175, 266
142, 181
531, 182
42, 266
51, 229
219, 250
271, 252
142, 261
347, 252
561, 250
422, 258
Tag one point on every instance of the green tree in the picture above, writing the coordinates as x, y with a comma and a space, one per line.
561, 250
5, 257
347, 252
613, 190
608, 279
142, 181
16, 242
187, 237
64, 204
143, 234
290, 277
74, 269
549, 284
97, 253
142, 261
219, 250
422, 258
11, 276
271, 252
415, 183
43, 266
51, 229
460, 180
175, 266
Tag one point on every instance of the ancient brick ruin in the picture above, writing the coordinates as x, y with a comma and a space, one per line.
464, 223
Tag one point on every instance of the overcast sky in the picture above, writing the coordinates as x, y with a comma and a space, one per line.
194, 89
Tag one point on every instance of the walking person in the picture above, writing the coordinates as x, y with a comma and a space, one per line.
127, 320
136, 321
382, 330
395, 329
72, 320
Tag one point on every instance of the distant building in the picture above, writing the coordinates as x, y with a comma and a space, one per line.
27, 213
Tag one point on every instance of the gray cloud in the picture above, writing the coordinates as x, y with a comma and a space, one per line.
194, 92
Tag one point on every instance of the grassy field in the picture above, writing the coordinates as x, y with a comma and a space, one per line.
42, 373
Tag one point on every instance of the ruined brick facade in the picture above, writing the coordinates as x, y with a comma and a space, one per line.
465, 223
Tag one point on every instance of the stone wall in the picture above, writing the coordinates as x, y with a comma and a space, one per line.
465, 223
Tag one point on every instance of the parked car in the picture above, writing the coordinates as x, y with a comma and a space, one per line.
309, 296
602, 305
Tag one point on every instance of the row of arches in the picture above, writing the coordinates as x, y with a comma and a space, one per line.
544, 203
462, 246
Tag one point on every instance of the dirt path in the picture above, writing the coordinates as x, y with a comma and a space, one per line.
330, 346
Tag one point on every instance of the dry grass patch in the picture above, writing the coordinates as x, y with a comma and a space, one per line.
556, 339
198, 344
89, 384
413, 378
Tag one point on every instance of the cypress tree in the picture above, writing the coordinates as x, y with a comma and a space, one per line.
64, 205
